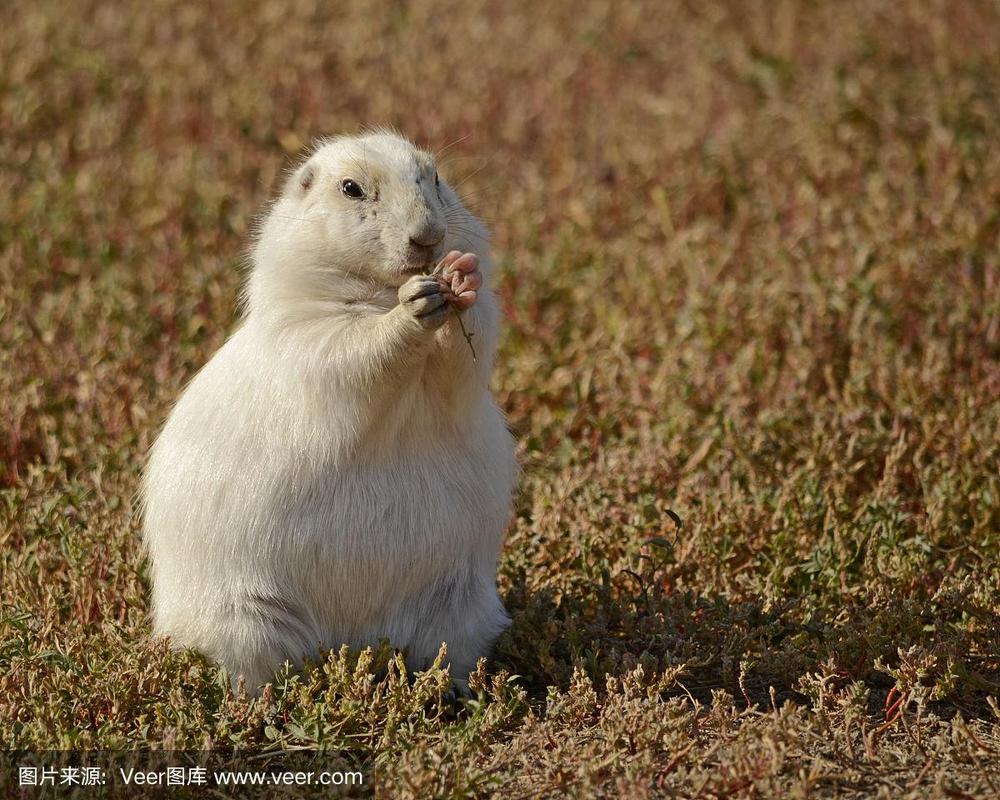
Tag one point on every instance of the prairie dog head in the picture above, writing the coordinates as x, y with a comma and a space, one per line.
362, 213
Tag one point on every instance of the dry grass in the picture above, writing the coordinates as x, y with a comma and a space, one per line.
750, 268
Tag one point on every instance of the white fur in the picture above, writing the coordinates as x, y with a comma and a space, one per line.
338, 472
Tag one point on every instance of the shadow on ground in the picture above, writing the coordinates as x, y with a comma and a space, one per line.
760, 653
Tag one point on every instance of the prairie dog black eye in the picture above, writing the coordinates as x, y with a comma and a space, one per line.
437, 180
352, 189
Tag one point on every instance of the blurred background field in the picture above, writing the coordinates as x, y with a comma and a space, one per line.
750, 265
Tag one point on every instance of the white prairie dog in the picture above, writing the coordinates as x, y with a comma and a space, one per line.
338, 472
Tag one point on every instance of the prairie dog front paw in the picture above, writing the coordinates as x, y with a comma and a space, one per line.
460, 271
425, 298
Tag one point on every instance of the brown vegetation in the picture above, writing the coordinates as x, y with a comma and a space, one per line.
749, 260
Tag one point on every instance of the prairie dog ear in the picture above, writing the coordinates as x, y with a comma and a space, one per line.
305, 178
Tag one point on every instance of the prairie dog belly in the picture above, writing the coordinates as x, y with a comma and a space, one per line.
345, 549
380, 532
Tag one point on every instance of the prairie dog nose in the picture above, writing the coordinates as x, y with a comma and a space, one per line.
427, 235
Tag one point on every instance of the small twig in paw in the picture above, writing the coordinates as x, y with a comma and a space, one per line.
468, 336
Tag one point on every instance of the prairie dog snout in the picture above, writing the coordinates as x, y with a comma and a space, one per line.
338, 472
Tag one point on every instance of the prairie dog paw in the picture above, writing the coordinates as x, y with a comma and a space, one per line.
460, 273
425, 298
